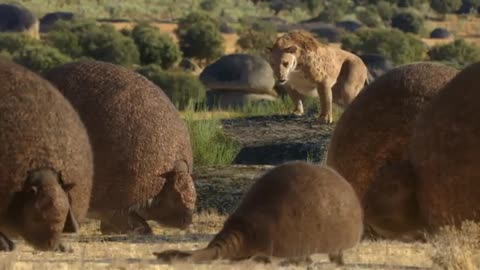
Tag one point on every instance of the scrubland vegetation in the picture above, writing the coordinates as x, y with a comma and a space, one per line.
396, 29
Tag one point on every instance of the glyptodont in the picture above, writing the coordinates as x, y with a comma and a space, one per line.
445, 150
369, 146
294, 210
46, 162
143, 156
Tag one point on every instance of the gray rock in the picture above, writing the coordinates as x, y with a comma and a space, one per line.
240, 72
377, 64
272, 140
49, 19
440, 33
233, 98
350, 26
15, 18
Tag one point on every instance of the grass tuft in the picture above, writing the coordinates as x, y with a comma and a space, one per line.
457, 249
210, 144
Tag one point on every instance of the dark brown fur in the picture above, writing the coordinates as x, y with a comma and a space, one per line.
46, 162
373, 134
138, 138
445, 151
294, 210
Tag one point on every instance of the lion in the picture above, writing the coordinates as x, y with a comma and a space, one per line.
309, 68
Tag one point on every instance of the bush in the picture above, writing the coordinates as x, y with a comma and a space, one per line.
257, 36
314, 6
209, 5
66, 42
335, 10
385, 10
191, 19
410, 3
202, 40
369, 16
100, 42
155, 47
182, 88
458, 53
408, 22
210, 145
395, 45
445, 6
40, 58
11, 42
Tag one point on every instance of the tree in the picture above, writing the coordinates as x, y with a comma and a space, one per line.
395, 45
407, 22
335, 10
155, 47
257, 36
87, 39
199, 37
40, 58
458, 53
445, 6
369, 16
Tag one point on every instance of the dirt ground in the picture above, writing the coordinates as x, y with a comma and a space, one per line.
219, 191
93, 251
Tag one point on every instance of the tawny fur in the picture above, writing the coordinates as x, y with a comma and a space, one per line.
333, 74
445, 150
46, 161
372, 137
137, 137
294, 210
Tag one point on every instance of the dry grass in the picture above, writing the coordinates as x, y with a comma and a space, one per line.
93, 251
466, 27
451, 249
457, 249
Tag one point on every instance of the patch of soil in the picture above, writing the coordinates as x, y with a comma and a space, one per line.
220, 188
277, 139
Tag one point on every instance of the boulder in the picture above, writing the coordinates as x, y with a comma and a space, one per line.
240, 72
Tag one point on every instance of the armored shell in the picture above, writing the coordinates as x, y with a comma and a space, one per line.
298, 209
136, 133
375, 130
445, 150
40, 128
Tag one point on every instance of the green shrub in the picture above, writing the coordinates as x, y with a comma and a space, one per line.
397, 46
100, 42
181, 87
408, 22
335, 10
11, 42
458, 53
40, 58
155, 47
209, 5
5, 54
191, 19
104, 43
66, 42
369, 16
202, 41
445, 6
210, 145
385, 10
411, 3
314, 6
257, 36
